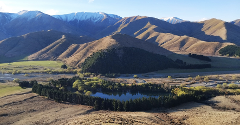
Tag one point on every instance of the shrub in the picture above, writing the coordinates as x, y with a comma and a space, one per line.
16, 80
64, 66
206, 79
234, 77
135, 76
169, 77
26, 75
88, 93
224, 85
76, 84
219, 86
232, 86
81, 75
190, 78
198, 77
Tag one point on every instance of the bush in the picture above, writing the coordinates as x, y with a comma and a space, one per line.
88, 93
224, 85
64, 66
198, 77
190, 78
232, 86
234, 77
16, 80
26, 75
206, 79
219, 86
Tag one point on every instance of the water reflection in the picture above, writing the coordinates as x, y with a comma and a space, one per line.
123, 96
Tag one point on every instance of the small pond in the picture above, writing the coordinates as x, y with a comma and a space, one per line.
124, 96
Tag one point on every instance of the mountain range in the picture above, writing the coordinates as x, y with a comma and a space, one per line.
41, 36
173, 20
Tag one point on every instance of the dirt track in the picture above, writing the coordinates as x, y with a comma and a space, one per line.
31, 109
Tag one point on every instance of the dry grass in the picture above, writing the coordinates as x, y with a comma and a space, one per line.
113, 41
214, 114
28, 108
219, 63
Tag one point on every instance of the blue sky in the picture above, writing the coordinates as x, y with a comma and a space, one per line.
193, 10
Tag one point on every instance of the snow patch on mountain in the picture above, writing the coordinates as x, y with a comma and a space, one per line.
172, 20
29, 14
8, 16
80, 16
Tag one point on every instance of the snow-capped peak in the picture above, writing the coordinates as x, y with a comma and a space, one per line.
80, 16
29, 14
172, 20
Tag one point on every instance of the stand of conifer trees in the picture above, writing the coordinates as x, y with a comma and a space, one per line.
201, 57
140, 104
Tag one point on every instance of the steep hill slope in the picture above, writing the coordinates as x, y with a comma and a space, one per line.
82, 51
117, 26
89, 22
5, 18
236, 22
184, 44
55, 49
126, 60
80, 23
155, 30
30, 43
32, 21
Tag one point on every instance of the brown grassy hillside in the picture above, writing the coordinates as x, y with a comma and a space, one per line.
205, 37
113, 41
54, 50
236, 22
184, 44
29, 43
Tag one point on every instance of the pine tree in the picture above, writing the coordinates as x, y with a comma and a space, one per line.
115, 105
120, 106
131, 105
126, 106
96, 105
103, 106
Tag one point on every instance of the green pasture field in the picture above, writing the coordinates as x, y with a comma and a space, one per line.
50, 64
6, 89
31, 67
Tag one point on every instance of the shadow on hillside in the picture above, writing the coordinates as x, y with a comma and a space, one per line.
233, 34
191, 29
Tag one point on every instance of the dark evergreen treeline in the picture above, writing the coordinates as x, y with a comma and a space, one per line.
184, 65
231, 50
98, 85
126, 60
201, 57
133, 60
62, 95
26, 84
116, 105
